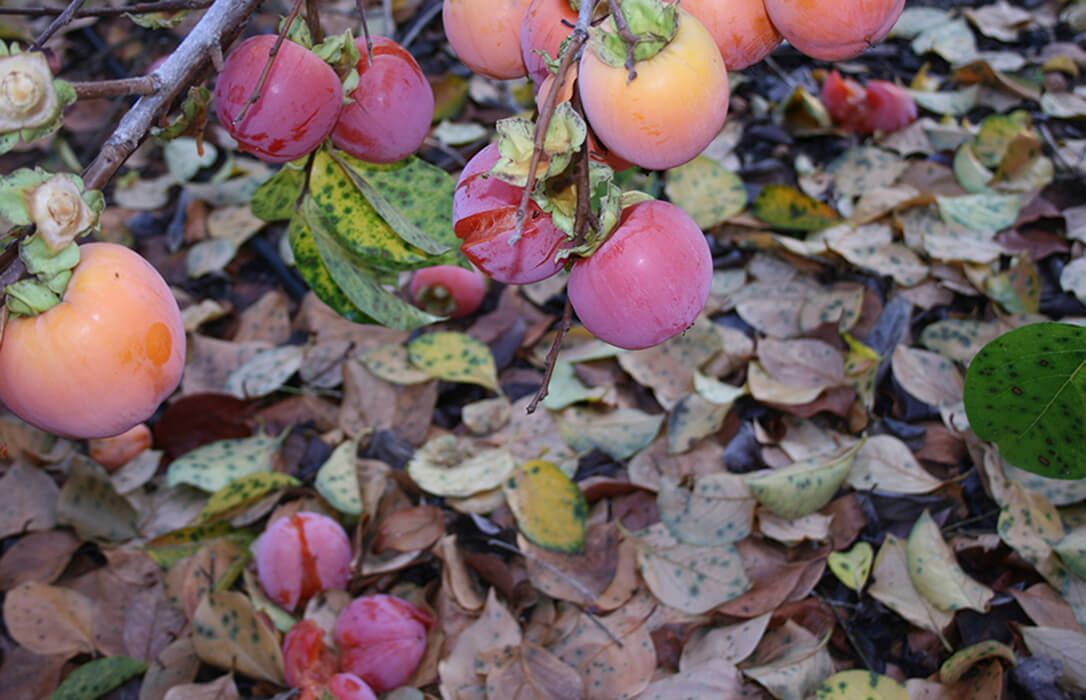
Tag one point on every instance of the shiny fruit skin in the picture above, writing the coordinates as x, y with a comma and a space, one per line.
116, 451
647, 282
447, 290
301, 555
484, 211
307, 661
348, 686
543, 29
741, 29
833, 30
297, 107
881, 106
670, 112
485, 35
381, 639
103, 359
392, 109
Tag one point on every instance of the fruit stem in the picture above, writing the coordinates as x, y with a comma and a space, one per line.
629, 37
313, 20
365, 31
268, 64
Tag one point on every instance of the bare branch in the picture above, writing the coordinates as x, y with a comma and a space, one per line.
143, 85
63, 18
136, 9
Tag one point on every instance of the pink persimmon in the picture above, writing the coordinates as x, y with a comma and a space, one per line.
485, 35
833, 31
382, 639
300, 555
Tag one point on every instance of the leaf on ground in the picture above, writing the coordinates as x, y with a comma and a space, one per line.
668, 368
952, 670
1024, 391
1031, 525
692, 578
958, 338
530, 671
1018, 288
28, 500
981, 212
1072, 550
222, 688
454, 357
852, 567
96, 678
786, 208
709, 680
244, 492
692, 419
805, 486
803, 363
870, 246
952, 40
794, 531
566, 389
337, 479
621, 433
729, 644
706, 191
775, 309
392, 364
1066, 646
885, 463
169, 548
228, 634
213, 466
717, 509
549, 508
265, 372
91, 505
49, 620
936, 574
926, 375
764, 387
893, 587
864, 168
791, 662
860, 685
445, 467
495, 630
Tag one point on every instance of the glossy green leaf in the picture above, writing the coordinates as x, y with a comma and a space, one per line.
454, 357
355, 223
308, 261
359, 283
96, 678
414, 198
1026, 392
277, 199
244, 492
786, 208
549, 508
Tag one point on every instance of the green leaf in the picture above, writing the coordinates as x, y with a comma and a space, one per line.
356, 223
337, 479
1026, 392
277, 199
852, 567
788, 209
308, 261
96, 678
549, 508
172, 547
414, 198
213, 466
981, 212
244, 492
454, 357
359, 283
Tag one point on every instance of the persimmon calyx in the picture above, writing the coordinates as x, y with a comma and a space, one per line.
566, 134
341, 52
605, 201
50, 272
652, 21
60, 212
28, 98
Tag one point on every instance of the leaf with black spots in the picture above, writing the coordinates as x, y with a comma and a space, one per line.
98, 677
228, 633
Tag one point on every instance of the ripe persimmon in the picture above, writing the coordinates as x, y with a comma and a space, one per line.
485, 35
741, 29
833, 30
670, 112
101, 360
543, 29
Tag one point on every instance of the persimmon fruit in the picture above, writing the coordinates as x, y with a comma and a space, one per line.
647, 282
741, 29
670, 112
543, 29
301, 555
104, 358
880, 106
381, 639
297, 107
485, 35
833, 30
392, 109
116, 451
447, 290
484, 218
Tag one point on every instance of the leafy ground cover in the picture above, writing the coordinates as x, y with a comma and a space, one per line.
787, 490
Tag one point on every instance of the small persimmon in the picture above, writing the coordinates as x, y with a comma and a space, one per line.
104, 358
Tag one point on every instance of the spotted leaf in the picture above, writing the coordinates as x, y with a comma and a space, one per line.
454, 357
548, 506
98, 677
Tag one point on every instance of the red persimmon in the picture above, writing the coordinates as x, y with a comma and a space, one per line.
447, 290
381, 640
392, 109
647, 282
104, 358
484, 218
300, 555
298, 103
881, 106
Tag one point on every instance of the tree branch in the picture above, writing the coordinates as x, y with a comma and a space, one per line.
63, 18
136, 9
143, 85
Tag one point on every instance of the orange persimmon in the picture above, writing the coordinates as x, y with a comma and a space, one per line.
485, 35
741, 29
833, 30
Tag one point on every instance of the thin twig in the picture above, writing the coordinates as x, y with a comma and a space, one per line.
268, 64
631, 39
847, 630
63, 18
365, 31
143, 85
135, 9
420, 23
313, 20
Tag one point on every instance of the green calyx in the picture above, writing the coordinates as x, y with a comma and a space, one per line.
50, 273
341, 52
652, 21
566, 134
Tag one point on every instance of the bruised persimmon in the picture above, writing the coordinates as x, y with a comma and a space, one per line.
833, 30
104, 358
485, 35
671, 111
